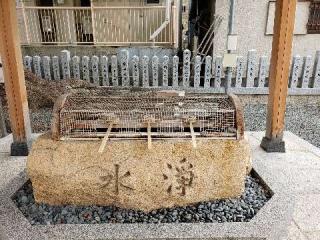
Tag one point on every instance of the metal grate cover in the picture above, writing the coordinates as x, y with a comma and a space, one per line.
137, 115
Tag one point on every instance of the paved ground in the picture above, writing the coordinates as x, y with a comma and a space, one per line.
299, 170
296, 172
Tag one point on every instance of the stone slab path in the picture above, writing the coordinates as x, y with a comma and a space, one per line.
298, 171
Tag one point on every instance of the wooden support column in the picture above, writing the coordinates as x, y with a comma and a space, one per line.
279, 75
14, 78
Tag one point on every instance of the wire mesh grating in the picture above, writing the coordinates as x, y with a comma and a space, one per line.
132, 114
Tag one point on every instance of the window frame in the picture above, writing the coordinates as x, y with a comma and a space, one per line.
313, 25
153, 3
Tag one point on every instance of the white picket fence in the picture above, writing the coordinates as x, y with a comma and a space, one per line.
190, 73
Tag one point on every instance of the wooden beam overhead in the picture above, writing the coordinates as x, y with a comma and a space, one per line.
279, 75
14, 78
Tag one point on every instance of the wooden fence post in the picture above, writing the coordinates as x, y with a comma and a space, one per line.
279, 75
14, 78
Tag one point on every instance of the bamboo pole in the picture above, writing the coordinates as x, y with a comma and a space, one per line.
193, 136
149, 136
105, 139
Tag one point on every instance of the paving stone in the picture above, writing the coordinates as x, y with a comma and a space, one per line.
313, 235
307, 212
294, 233
5, 144
292, 160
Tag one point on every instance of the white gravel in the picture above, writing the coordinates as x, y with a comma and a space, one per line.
302, 120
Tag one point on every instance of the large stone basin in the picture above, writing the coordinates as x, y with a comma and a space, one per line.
129, 175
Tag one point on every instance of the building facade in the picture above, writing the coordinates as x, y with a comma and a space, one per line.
254, 26
114, 23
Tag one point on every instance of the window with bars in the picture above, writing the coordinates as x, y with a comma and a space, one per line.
313, 25
153, 1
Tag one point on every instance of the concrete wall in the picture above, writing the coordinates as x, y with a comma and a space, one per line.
250, 25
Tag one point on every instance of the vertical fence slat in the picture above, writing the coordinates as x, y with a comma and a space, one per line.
85, 68
295, 71
251, 68
114, 70
56, 68
165, 71
135, 71
307, 70
95, 70
263, 68
316, 80
186, 68
124, 63
65, 64
175, 71
46, 63
197, 71
37, 66
64, 67
27, 62
145, 71
139, 32
76, 67
218, 72
104, 70
155, 71
208, 72
239, 71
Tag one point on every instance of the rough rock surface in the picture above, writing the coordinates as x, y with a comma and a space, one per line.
128, 175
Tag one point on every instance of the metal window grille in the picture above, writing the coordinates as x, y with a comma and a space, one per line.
313, 25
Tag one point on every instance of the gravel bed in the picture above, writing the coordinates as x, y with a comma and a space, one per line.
241, 209
41, 120
302, 120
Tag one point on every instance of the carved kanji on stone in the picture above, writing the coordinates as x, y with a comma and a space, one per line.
180, 177
114, 181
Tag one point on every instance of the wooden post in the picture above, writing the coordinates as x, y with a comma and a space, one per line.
14, 78
279, 75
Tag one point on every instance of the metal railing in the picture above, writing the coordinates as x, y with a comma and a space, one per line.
112, 26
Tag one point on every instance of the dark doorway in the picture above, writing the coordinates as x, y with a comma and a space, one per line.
200, 19
83, 20
47, 21
85, 3
45, 3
